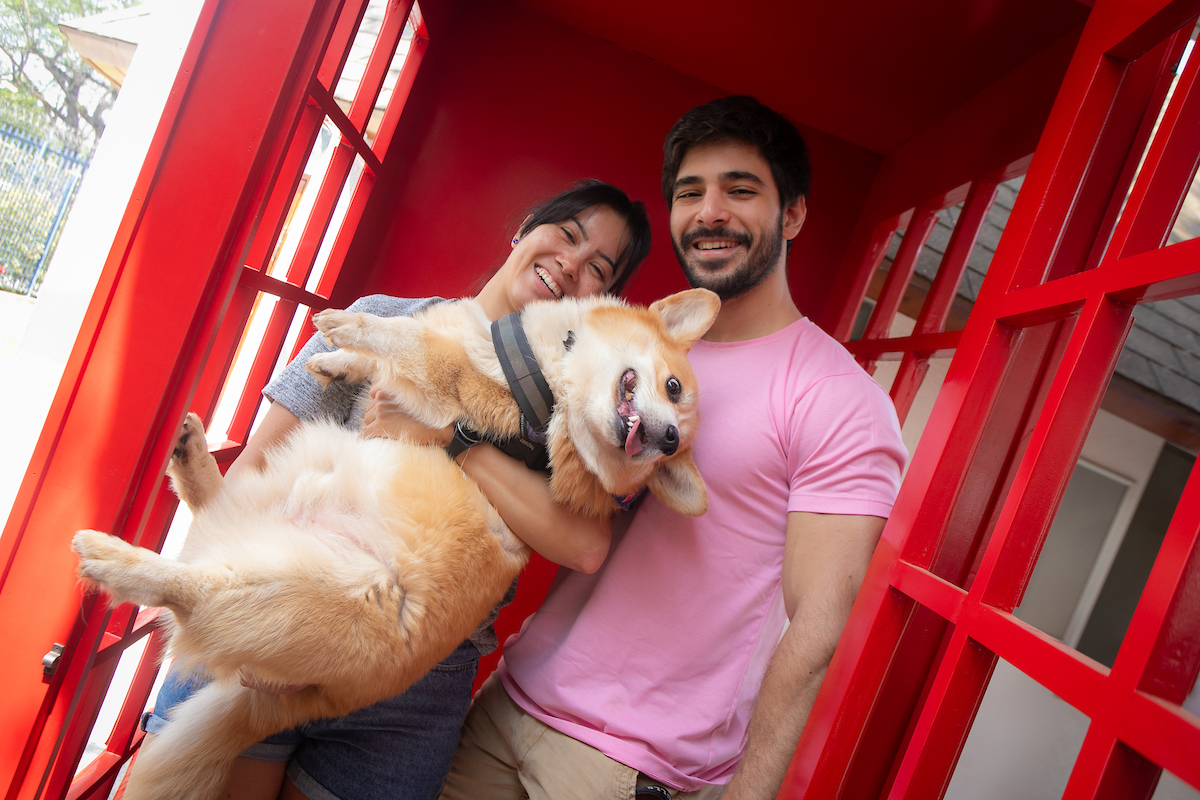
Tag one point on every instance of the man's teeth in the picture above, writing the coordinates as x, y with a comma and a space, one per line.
546, 279
715, 245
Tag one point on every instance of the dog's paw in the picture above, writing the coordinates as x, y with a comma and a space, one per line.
324, 370
100, 555
190, 446
340, 365
341, 328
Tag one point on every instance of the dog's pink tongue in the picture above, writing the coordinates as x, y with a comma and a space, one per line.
633, 442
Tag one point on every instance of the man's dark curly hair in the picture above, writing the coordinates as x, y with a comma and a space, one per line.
741, 119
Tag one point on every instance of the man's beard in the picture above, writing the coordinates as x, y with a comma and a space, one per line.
762, 255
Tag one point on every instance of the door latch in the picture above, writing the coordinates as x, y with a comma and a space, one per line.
50, 660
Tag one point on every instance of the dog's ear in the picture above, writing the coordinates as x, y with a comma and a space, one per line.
688, 315
678, 486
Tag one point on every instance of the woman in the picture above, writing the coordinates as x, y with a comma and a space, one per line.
587, 240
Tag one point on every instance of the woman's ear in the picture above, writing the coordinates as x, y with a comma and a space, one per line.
520, 228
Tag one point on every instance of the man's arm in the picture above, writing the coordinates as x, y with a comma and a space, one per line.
824, 560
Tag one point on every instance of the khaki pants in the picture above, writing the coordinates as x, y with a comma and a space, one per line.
506, 753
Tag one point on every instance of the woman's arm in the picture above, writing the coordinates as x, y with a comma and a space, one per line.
274, 428
521, 495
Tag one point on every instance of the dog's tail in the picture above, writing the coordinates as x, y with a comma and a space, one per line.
192, 757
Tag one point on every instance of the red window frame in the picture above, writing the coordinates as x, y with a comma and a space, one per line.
211, 201
1084, 246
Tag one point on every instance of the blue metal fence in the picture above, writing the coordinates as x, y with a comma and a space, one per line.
37, 186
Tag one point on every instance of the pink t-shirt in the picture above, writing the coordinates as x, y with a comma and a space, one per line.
656, 659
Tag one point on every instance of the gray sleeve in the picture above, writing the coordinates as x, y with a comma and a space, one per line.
295, 388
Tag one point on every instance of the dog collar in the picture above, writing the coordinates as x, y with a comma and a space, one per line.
529, 389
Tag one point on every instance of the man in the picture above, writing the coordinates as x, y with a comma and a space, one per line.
645, 675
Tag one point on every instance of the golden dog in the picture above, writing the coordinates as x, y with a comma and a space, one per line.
352, 566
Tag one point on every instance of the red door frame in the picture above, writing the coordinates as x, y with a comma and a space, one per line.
166, 321
1030, 371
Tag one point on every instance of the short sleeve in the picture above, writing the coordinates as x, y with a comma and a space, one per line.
295, 388
845, 454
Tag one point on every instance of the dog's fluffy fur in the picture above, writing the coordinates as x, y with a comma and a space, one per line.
352, 566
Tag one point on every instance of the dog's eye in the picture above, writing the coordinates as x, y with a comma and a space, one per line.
674, 389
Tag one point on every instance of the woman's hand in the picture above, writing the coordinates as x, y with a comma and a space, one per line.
385, 419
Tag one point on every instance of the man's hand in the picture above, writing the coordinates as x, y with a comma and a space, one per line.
824, 560
385, 419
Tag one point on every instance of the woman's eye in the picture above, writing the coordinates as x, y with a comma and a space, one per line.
570, 236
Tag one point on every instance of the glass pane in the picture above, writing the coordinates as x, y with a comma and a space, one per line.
1013, 410
239, 373
1187, 224
1110, 524
1172, 788
113, 701
935, 247
335, 223
1122, 588
1023, 743
315, 170
389, 80
1071, 552
922, 405
984, 250
360, 54
864, 316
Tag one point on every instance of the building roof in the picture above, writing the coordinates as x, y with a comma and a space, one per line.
1162, 353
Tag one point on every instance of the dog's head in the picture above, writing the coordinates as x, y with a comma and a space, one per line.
628, 398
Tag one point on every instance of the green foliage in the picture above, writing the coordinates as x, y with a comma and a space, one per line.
45, 87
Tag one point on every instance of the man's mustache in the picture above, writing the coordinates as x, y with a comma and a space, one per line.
691, 237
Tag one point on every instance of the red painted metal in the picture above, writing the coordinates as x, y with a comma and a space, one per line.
936, 308
1078, 176
934, 344
191, 346
371, 83
899, 276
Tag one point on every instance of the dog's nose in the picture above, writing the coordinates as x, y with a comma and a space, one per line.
670, 440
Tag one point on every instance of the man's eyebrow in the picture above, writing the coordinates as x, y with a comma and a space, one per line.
739, 175
583, 231
688, 180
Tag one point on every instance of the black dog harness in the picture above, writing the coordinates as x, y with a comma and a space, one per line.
529, 389
534, 399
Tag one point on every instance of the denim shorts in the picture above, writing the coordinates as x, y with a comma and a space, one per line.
400, 747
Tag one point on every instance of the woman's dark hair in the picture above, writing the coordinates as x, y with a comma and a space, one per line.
741, 119
591, 193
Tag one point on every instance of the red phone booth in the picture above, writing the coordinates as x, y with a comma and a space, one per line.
909, 110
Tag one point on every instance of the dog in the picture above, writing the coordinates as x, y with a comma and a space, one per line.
352, 566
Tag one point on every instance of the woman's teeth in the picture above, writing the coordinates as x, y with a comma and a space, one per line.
546, 279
